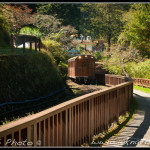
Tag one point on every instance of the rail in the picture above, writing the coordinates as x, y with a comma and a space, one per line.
142, 82
73, 122
31, 39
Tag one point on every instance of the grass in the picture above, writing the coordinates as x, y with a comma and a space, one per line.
115, 129
143, 89
17, 51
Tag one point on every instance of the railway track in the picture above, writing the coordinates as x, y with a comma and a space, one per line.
72, 90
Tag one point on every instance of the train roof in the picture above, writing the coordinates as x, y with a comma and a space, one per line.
83, 56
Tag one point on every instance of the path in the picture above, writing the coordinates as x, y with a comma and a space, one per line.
137, 132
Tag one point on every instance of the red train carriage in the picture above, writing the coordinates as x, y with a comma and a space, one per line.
82, 68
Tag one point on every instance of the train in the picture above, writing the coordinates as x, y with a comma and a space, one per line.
81, 69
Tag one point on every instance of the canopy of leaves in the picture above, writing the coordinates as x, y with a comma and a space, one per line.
18, 16
137, 28
4, 28
102, 20
69, 13
120, 59
30, 31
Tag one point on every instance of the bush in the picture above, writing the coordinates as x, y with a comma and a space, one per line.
137, 70
57, 51
97, 56
28, 76
30, 31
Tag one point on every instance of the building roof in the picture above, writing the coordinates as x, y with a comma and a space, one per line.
82, 55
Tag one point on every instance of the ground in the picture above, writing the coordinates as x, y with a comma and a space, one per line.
137, 132
71, 91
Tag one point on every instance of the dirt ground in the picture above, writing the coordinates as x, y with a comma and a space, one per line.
81, 89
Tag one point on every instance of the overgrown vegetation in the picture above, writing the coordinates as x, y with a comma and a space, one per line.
28, 76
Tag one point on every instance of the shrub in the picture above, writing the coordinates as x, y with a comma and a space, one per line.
28, 76
30, 31
57, 51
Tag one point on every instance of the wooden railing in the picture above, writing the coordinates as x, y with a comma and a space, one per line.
142, 82
37, 42
73, 122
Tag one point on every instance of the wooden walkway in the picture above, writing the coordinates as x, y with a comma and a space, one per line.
137, 131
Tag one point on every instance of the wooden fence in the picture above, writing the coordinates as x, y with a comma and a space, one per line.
73, 122
142, 82
31, 39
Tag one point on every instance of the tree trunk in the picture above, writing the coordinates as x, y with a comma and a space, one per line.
108, 49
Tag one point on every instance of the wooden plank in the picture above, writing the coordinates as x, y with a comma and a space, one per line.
78, 126
4, 140
48, 131
61, 136
12, 43
66, 127
53, 131
30, 43
44, 135
90, 103
75, 128
23, 44
35, 134
12, 139
118, 104
35, 44
20, 139
70, 126
57, 129
83, 121
29, 134
40, 131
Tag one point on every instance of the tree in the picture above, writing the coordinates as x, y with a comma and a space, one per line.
103, 21
47, 24
120, 58
4, 28
136, 30
18, 16
52, 28
69, 13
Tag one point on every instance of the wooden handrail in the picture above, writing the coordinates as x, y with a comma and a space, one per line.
73, 122
142, 82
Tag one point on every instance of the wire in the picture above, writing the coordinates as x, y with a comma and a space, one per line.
36, 99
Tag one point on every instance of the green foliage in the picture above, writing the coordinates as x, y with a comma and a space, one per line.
4, 29
102, 20
47, 24
30, 31
139, 70
135, 70
136, 29
28, 76
55, 48
63, 69
69, 13
97, 56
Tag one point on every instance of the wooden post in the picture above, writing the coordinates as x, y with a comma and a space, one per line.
23, 44
12, 43
39, 44
35, 44
118, 98
31, 44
